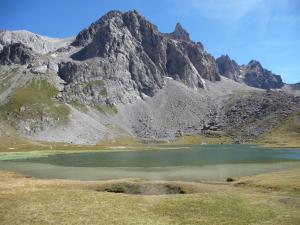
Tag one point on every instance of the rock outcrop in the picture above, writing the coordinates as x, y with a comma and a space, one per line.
228, 68
16, 54
180, 33
256, 76
252, 74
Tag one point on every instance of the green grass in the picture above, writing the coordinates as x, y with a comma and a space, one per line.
103, 92
24, 200
286, 134
97, 83
36, 100
6, 78
288, 181
79, 105
106, 109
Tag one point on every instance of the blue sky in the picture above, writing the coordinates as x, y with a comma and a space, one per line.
266, 30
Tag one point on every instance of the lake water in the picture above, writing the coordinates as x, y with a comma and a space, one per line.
192, 163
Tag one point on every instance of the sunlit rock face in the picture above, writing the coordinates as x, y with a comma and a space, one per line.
257, 76
252, 74
128, 49
228, 67
39, 44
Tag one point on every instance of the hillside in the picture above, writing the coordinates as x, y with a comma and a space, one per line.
121, 78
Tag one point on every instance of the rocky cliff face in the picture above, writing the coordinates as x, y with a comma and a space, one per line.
228, 68
256, 76
16, 54
130, 56
252, 74
180, 33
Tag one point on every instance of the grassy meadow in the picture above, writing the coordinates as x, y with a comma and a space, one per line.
272, 198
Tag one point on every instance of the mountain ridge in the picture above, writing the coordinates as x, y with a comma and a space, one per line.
122, 77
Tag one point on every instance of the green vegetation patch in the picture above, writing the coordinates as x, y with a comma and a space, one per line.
36, 100
286, 134
103, 92
6, 78
79, 105
107, 109
97, 83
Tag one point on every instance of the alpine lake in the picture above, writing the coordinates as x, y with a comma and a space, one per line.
175, 163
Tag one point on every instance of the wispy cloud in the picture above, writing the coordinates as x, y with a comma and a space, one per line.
229, 10
234, 11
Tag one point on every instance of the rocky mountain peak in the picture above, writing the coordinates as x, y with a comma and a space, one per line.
137, 48
254, 64
112, 21
257, 76
228, 67
180, 33
87, 35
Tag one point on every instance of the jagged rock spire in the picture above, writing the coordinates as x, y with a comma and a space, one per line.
180, 33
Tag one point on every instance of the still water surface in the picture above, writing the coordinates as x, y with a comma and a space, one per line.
192, 163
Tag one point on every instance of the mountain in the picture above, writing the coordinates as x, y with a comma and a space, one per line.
37, 43
180, 33
228, 67
140, 50
256, 76
122, 77
252, 74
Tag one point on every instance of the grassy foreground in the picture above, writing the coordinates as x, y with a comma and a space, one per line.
265, 199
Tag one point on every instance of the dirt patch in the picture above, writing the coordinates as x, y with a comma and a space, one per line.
291, 202
145, 188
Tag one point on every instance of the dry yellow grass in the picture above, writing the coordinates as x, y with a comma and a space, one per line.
286, 134
25, 200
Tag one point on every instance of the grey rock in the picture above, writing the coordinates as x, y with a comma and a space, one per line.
256, 76
39, 69
16, 54
228, 67
180, 33
39, 44
141, 57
